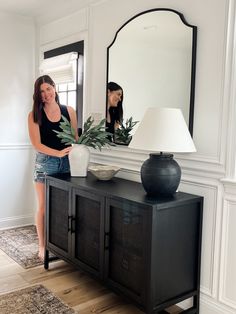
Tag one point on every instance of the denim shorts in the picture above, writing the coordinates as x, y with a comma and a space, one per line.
47, 165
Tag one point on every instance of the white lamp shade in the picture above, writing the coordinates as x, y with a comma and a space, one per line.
163, 130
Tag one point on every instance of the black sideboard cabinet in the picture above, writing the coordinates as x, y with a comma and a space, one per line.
146, 249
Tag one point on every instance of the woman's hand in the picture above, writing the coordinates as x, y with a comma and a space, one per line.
64, 152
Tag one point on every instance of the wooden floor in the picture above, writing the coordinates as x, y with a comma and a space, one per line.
75, 288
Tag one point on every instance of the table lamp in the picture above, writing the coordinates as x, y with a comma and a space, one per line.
162, 131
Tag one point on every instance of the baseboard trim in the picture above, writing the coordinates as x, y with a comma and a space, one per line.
17, 221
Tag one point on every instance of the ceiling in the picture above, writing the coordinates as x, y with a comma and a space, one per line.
38, 9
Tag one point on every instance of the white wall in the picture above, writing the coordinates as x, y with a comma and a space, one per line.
214, 120
17, 75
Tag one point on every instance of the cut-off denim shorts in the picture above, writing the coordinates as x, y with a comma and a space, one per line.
48, 165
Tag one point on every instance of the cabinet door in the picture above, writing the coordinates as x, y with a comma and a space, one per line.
126, 247
58, 215
88, 235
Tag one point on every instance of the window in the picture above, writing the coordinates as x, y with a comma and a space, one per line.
66, 67
67, 90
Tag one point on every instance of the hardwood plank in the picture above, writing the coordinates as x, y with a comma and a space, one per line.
12, 282
109, 303
10, 270
5, 259
39, 274
93, 303
82, 293
66, 281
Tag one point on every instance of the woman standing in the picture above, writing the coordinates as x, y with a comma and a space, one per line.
52, 155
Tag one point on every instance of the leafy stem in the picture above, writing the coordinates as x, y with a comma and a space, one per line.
94, 136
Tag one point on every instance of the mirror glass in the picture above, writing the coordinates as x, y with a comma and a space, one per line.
152, 57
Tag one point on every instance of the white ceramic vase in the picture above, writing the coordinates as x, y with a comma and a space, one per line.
79, 159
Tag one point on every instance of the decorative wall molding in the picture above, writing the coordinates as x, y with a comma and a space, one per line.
127, 158
225, 83
62, 42
97, 3
230, 91
129, 175
229, 186
15, 146
229, 205
211, 233
77, 17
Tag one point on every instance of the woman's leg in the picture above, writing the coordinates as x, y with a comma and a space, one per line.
40, 190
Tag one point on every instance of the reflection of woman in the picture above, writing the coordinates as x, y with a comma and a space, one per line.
114, 114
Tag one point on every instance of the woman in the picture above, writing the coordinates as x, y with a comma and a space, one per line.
114, 106
52, 155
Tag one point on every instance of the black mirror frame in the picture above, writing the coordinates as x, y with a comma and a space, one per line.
193, 65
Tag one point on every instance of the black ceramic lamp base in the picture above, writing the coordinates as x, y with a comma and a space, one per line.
160, 175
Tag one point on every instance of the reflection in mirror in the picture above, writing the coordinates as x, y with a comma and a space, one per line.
114, 114
153, 58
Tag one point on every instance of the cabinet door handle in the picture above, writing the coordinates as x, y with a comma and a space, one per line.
69, 223
73, 224
106, 241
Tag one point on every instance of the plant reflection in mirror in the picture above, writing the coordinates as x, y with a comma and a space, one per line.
123, 133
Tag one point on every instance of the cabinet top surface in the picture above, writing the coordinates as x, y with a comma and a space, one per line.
121, 188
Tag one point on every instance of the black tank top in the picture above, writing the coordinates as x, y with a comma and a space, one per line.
48, 137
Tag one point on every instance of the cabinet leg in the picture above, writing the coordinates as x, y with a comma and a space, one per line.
196, 302
46, 259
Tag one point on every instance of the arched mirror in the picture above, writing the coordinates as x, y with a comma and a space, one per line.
153, 57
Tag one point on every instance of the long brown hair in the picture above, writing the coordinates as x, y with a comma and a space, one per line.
116, 112
37, 99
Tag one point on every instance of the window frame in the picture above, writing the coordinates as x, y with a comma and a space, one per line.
74, 47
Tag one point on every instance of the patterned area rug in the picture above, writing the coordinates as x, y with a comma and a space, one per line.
36, 299
21, 244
